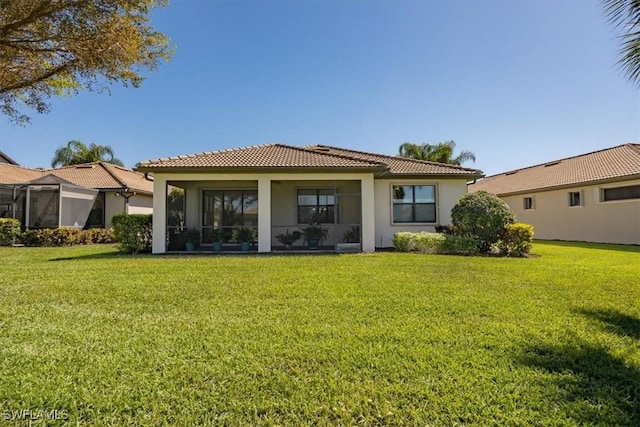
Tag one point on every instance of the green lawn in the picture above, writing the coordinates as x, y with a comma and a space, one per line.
371, 339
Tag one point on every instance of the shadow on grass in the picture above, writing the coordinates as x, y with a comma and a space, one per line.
587, 383
104, 255
589, 245
616, 322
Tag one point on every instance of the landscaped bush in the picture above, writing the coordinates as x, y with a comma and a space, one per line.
402, 241
459, 245
133, 232
434, 243
482, 216
427, 243
516, 239
95, 236
9, 231
65, 236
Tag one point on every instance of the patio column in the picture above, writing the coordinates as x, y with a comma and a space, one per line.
368, 214
159, 215
264, 214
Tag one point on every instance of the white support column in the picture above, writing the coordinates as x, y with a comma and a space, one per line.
264, 214
368, 214
159, 215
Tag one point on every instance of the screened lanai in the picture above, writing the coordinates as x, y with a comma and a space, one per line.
51, 202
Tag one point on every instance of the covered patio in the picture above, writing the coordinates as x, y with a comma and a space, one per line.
285, 212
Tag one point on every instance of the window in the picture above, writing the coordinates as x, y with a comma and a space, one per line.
316, 206
414, 203
528, 203
620, 193
575, 198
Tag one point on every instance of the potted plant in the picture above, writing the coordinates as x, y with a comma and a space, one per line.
216, 238
314, 235
191, 238
288, 239
243, 236
352, 236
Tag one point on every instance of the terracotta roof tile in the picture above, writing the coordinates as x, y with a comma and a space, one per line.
400, 165
97, 175
316, 156
609, 164
13, 174
258, 157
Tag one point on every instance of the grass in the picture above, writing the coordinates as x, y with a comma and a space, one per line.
371, 339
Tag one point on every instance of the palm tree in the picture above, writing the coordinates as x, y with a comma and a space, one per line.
625, 14
76, 152
442, 152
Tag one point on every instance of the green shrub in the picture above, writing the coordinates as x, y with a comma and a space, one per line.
402, 240
39, 237
482, 216
133, 233
434, 243
427, 243
9, 231
96, 236
516, 239
459, 245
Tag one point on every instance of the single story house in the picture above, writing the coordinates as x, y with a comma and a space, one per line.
359, 198
80, 196
593, 197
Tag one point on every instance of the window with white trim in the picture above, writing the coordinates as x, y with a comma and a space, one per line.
575, 198
527, 203
620, 193
414, 203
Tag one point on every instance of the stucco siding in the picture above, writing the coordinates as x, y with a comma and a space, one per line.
114, 205
448, 192
593, 221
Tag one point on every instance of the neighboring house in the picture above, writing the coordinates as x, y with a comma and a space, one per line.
593, 197
361, 198
6, 159
80, 196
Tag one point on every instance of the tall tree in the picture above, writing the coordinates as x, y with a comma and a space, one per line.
76, 152
54, 48
625, 15
442, 152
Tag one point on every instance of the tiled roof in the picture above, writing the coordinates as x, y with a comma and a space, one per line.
103, 175
13, 174
6, 159
99, 175
610, 164
400, 165
267, 156
280, 156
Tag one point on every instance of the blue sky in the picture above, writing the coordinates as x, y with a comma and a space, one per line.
516, 82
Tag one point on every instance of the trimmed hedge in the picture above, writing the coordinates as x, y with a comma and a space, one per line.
66, 237
9, 231
133, 232
516, 239
434, 243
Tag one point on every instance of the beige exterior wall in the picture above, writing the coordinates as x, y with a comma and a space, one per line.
594, 221
113, 205
372, 210
448, 192
281, 195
